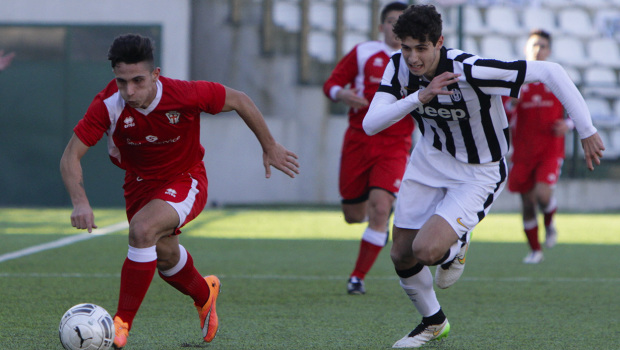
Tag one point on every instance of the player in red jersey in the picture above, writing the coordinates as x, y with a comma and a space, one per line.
538, 128
371, 167
153, 132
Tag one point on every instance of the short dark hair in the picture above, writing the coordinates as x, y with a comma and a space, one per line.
393, 6
421, 22
131, 48
541, 33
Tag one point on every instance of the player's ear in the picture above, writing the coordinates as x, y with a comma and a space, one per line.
156, 73
439, 42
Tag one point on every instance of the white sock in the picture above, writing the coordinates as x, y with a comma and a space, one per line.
179, 265
419, 288
553, 205
142, 254
375, 237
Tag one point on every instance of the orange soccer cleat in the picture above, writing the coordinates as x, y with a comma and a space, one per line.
208, 317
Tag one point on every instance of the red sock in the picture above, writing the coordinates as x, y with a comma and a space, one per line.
366, 258
136, 278
532, 237
549, 217
189, 282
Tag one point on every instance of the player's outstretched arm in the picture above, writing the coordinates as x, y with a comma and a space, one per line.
82, 216
274, 154
593, 150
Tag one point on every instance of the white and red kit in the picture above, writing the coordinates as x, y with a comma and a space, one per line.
368, 162
158, 147
537, 152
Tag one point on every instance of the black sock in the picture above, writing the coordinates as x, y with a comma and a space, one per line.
410, 272
437, 318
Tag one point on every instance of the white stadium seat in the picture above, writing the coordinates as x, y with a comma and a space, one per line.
569, 50
539, 18
473, 23
357, 17
574, 75
503, 20
497, 47
604, 52
576, 21
600, 76
469, 44
556, 4
601, 81
322, 16
287, 15
322, 46
599, 107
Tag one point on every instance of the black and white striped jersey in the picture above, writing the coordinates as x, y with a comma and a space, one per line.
470, 124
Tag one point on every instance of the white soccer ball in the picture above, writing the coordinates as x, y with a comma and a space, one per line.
86, 327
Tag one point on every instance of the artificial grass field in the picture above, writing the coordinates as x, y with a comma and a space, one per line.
284, 272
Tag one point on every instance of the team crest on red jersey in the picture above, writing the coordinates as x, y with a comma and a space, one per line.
173, 117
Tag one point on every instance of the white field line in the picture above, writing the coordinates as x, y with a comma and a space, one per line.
326, 278
63, 241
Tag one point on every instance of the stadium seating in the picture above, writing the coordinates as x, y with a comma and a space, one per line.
576, 22
357, 17
604, 52
498, 47
539, 18
600, 80
287, 14
569, 50
474, 24
321, 45
322, 16
503, 20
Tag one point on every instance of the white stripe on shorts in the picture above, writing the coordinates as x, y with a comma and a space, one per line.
185, 207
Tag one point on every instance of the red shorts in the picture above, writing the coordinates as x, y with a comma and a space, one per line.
524, 175
371, 162
186, 193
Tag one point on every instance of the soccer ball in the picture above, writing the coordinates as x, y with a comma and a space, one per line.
86, 327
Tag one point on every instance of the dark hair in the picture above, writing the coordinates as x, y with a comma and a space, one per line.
131, 48
393, 6
420, 22
541, 33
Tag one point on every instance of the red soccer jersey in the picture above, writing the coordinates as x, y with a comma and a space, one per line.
532, 124
160, 141
363, 68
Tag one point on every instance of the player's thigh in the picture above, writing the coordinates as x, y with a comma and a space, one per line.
355, 166
548, 171
389, 162
522, 177
155, 220
401, 251
434, 239
416, 203
468, 202
354, 212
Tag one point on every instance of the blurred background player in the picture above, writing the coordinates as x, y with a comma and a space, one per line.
538, 128
371, 167
153, 131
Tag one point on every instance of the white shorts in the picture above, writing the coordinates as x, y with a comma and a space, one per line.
437, 183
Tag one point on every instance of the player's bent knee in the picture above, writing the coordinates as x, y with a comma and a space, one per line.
427, 256
354, 218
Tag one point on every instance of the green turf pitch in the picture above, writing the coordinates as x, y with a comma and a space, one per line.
283, 276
